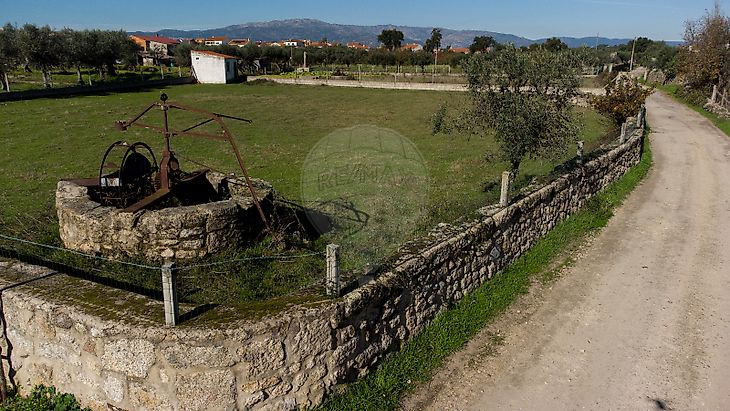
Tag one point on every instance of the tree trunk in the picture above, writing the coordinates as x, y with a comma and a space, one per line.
515, 167
101, 73
111, 69
46, 78
6, 82
78, 74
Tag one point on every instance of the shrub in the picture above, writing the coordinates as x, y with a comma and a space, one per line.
623, 99
42, 398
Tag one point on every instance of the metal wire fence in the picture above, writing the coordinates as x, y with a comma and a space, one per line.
235, 278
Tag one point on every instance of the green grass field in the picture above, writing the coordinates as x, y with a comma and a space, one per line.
48, 139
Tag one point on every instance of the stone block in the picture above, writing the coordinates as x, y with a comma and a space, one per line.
131, 357
144, 397
214, 390
184, 356
114, 387
263, 355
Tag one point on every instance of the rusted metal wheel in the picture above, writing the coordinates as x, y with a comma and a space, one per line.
124, 183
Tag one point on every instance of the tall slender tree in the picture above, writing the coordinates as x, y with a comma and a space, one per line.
433, 43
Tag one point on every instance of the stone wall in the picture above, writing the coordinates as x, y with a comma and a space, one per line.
287, 360
175, 232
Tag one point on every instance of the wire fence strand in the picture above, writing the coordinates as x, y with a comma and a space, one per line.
91, 256
256, 258
154, 267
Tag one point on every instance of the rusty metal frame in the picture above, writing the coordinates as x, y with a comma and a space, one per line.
167, 133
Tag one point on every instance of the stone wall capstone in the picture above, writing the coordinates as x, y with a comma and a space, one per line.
289, 360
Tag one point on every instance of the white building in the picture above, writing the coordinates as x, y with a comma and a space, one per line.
210, 67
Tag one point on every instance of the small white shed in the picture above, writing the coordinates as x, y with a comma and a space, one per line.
210, 67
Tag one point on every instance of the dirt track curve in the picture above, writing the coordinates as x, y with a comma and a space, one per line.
642, 320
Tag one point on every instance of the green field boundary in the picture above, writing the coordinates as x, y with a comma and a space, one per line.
416, 362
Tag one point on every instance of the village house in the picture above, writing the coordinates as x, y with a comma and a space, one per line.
212, 41
358, 46
210, 67
293, 43
156, 49
318, 44
239, 42
459, 50
412, 47
269, 44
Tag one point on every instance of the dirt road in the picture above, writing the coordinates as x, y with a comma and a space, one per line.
642, 320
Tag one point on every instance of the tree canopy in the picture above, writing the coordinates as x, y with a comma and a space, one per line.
434, 42
525, 99
705, 60
482, 44
391, 39
554, 44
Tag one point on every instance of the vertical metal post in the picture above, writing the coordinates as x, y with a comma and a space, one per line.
504, 196
333, 270
581, 144
169, 294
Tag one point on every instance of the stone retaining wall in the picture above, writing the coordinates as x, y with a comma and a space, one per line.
292, 359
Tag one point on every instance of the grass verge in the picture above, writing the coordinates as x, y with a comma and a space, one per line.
450, 330
721, 123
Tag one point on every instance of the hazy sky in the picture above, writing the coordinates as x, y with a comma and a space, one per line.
658, 19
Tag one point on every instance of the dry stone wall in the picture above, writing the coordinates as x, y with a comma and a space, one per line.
293, 359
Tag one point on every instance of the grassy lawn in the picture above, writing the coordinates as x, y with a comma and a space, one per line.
721, 123
416, 362
48, 139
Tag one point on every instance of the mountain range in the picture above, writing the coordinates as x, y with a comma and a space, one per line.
342, 33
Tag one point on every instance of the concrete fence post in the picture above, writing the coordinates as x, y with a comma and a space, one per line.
713, 99
333, 270
623, 133
581, 145
169, 294
640, 117
504, 195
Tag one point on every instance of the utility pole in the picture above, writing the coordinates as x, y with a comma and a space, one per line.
435, 63
633, 49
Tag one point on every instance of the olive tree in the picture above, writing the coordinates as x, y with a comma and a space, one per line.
42, 48
525, 99
9, 53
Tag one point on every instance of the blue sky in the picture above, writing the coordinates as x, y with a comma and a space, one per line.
658, 19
